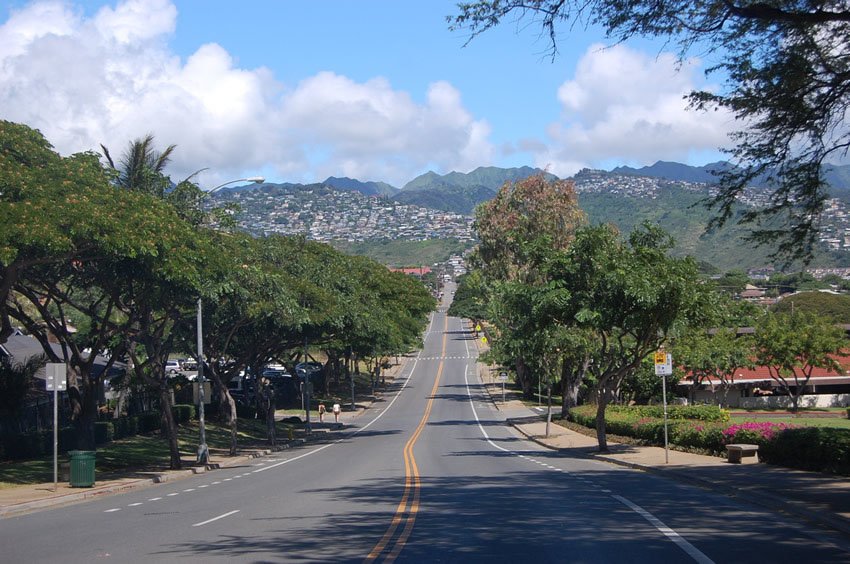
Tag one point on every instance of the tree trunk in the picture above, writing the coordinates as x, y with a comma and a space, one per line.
227, 406
270, 426
83, 408
267, 401
169, 427
602, 400
571, 381
522, 376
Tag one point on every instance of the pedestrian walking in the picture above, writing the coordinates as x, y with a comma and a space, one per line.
337, 409
322, 413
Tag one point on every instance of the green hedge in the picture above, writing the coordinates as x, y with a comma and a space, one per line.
183, 413
696, 412
126, 426
22, 446
35, 444
149, 422
823, 449
104, 432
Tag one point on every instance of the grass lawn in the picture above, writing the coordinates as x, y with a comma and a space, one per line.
144, 452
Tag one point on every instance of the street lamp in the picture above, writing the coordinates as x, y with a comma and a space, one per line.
203, 450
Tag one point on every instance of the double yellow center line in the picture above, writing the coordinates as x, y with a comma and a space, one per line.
408, 507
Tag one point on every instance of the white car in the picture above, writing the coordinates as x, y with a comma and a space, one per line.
172, 367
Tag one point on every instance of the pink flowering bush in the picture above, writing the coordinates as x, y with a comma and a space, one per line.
754, 432
698, 434
809, 448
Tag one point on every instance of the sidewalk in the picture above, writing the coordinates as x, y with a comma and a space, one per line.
822, 499
18, 500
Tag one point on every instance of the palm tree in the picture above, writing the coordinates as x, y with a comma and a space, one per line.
142, 167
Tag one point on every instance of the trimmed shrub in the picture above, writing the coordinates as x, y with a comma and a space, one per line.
22, 446
149, 422
183, 413
246, 411
104, 432
126, 426
752, 432
67, 439
698, 412
698, 434
824, 449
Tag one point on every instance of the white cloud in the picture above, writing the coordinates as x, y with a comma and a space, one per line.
376, 132
628, 106
111, 78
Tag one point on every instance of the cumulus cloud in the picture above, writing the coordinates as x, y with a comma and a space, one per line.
112, 78
626, 105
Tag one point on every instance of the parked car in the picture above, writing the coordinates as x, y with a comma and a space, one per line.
172, 367
309, 369
190, 365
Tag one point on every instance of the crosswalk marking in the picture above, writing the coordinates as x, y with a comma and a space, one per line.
460, 357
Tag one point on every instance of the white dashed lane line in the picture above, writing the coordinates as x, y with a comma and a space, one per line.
112, 510
229, 513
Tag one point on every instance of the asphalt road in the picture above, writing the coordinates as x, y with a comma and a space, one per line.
429, 474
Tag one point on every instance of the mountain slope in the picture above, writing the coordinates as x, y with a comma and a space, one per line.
461, 192
368, 188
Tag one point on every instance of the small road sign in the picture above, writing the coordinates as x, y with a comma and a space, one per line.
663, 364
56, 377
503, 376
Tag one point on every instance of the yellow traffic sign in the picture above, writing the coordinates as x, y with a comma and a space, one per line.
660, 358
478, 328
484, 340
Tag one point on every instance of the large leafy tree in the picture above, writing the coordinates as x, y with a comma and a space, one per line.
792, 345
246, 300
55, 210
69, 238
629, 294
470, 299
786, 66
517, 231
714, 355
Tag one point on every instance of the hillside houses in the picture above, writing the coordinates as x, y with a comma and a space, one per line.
324, 214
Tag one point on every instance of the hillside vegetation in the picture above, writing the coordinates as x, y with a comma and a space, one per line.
678, 212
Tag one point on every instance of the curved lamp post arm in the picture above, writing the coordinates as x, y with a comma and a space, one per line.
203, 450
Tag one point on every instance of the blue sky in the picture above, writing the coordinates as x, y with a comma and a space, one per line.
373, 89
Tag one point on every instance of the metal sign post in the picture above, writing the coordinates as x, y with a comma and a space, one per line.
664, 367
57, 381
503, 377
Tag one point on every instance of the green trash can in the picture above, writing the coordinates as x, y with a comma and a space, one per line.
82, 468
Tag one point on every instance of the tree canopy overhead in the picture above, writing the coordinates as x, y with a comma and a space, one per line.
786, 67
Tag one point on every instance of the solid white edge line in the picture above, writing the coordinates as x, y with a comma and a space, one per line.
690, 549
228, 514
